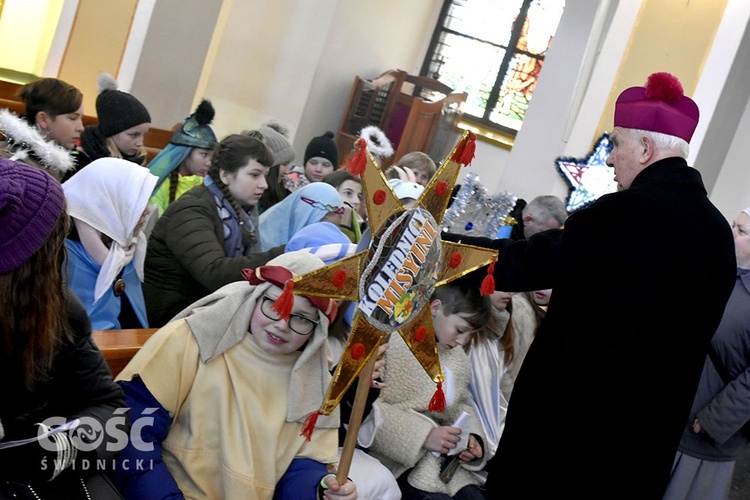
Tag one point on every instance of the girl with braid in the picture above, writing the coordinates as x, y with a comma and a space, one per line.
207, 236
184, 162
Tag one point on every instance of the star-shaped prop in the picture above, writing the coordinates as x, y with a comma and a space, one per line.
589, 177
393, 279
475, 212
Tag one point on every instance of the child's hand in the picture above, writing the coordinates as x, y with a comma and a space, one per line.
379, 364
442, 439
405, 174
346, 491
473, 452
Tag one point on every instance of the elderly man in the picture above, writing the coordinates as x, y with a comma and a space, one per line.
542, 213
605, 389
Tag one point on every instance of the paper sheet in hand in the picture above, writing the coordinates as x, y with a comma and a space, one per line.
462, 422
63, 428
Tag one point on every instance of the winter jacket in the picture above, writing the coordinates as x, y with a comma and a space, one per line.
80, 386
722, 408
185, 258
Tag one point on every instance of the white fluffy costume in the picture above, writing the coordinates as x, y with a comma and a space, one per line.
406, 421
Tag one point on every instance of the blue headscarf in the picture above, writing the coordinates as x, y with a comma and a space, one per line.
324, 240
167, 160
303, 207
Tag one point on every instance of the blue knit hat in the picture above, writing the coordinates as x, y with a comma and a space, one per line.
194, 130
31, 202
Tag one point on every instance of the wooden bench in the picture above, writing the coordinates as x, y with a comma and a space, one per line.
119, 346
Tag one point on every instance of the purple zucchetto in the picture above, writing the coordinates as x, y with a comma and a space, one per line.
660, 106
31, 202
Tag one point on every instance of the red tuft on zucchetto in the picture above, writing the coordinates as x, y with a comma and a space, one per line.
660, 106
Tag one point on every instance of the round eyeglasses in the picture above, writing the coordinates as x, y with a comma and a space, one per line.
299, 324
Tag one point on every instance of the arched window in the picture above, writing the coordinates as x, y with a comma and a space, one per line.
493, 50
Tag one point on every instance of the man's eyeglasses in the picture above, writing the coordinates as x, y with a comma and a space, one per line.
299, 324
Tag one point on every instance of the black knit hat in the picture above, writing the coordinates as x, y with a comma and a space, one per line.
117, 111
324, 147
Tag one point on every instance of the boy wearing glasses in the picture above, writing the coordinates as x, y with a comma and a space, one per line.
232, 384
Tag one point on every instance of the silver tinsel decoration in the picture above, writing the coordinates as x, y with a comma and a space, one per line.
475, 212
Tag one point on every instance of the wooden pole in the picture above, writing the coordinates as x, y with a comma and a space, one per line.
355, 419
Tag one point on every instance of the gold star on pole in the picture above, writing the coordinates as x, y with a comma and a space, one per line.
393, 279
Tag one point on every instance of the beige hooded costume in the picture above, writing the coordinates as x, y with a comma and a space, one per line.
237, 411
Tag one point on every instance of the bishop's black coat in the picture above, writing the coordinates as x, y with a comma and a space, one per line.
640, 279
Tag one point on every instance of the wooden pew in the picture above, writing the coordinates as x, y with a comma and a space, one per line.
119, 346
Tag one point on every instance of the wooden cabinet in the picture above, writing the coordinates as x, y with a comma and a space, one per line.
416, 113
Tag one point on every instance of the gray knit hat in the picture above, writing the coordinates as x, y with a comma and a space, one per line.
278, 144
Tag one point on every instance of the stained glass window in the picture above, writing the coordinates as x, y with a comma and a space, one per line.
493, 50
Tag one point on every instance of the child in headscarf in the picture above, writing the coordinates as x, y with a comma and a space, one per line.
350, 189
315, 202
183, 163
228, 370
108, 202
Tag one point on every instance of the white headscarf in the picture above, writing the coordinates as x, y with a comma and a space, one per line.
109, 196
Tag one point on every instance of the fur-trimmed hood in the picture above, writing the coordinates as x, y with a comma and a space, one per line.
26, 144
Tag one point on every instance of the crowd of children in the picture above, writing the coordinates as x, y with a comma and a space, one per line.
203, 242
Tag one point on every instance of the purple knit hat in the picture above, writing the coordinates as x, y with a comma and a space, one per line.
31, 202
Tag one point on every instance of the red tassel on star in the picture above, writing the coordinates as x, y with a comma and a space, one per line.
309, 426
437, 403
465, 150
357, 163
488, 283
285, 302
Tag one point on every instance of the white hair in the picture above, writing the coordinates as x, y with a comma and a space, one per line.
663, 141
